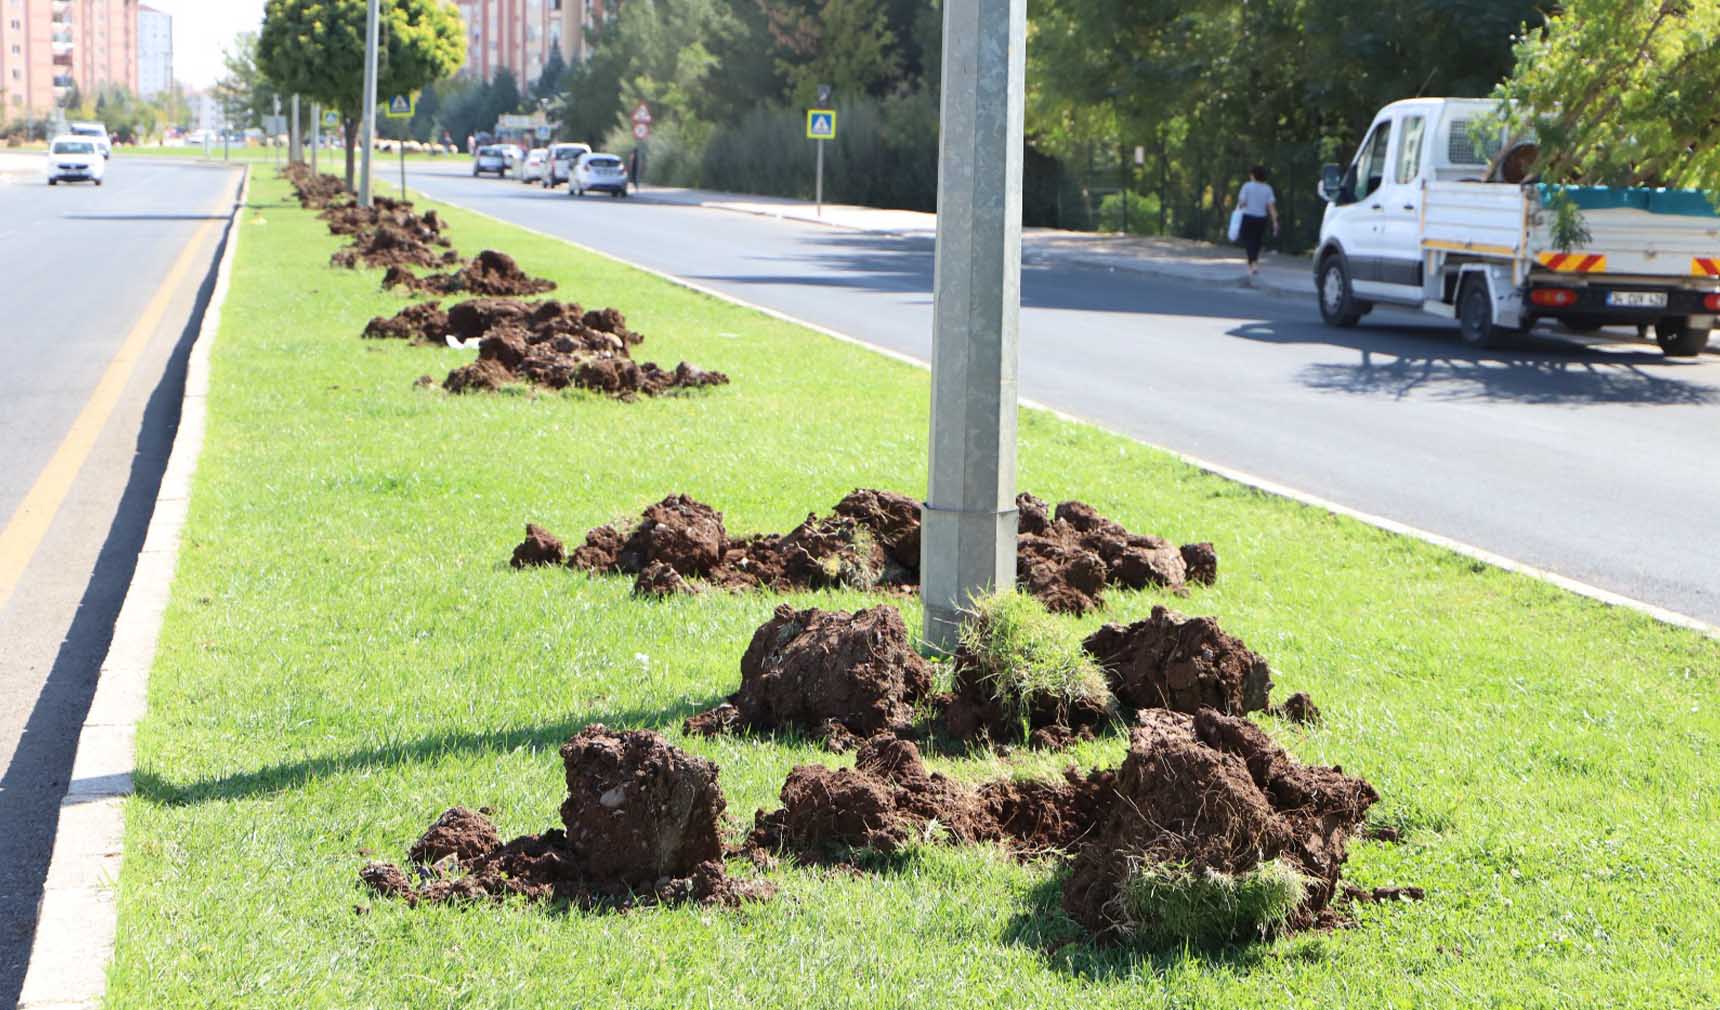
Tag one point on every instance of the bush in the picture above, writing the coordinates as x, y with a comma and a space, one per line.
1170, 906
1143, 217
1022, 653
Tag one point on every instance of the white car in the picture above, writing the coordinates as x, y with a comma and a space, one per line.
71, 157
599, 173
514, 154
562, 158
534, 166
93, 131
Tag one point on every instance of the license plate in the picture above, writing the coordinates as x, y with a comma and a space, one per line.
1637, 299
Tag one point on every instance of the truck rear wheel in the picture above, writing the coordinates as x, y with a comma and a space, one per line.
1678, 339
1337, 302
1475, 316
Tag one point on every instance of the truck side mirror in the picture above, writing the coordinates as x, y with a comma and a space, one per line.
1331, 182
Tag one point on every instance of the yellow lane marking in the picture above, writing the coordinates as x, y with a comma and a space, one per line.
29, 524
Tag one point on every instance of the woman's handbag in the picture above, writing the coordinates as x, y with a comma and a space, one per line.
1236, 224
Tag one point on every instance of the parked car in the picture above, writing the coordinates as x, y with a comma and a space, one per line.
72, 157
514, 153
536, 164
562, 158
490, 158
599, 173
93, 131
1430, 216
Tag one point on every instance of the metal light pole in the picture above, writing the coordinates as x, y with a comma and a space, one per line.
367, 135
295, 150
968, 537
316, 134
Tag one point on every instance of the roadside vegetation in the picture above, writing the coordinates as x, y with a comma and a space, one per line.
348, 651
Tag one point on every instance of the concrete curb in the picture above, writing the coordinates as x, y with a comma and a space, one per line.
1261, 484
76, 924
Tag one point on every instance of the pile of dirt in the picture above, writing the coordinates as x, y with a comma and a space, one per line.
423, 323
833, 674
351, 219
1181, 663
313, 190
872, 538
642, 822
859, 545
390, 245
1066, 558
1211, 794
490, 273
888, 800
599, 330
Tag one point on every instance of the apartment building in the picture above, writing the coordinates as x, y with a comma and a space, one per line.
520, 34
154, 51
47, 46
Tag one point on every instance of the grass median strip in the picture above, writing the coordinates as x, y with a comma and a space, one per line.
348, 652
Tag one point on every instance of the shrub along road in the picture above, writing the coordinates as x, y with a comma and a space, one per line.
347, 653
102, 292
1591, 461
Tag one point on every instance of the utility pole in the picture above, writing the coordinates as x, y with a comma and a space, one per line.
295, 147
969, 518
367, 135
316, 134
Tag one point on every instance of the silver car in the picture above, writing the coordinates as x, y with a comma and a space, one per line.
490, 158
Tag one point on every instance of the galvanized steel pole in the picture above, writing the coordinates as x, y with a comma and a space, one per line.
316, 134
968, 541
367, 136
295, 153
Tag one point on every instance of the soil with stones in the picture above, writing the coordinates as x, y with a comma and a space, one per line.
1213, 792
642, 822
490, 273
816, 671
1181, 663
888, 800
1066, 558
313, 190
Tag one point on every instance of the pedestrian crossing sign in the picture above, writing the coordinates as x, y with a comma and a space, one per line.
821, 124
400, 107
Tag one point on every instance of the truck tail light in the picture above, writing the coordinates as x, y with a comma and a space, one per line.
1711, 303
1553, 298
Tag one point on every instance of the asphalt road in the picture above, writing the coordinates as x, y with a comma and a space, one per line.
82, 270
1597, 461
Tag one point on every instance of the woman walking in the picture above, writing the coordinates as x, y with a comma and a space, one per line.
1259, 206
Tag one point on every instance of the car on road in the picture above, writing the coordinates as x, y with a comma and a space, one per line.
599, 173
75, 158
490, 158
93, 131
534, 166
514, 153
562, 158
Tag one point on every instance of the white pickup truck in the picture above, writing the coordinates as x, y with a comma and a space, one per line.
1413, 222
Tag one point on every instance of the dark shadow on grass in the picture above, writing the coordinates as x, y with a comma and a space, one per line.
1065, 946
287, 775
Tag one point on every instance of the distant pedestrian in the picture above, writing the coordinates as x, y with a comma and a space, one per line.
1259, 206
633, 169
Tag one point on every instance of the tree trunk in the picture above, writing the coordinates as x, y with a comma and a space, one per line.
351, 129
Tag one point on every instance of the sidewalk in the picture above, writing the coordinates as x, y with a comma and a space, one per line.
1184, 259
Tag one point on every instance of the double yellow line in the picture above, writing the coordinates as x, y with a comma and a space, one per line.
29, 525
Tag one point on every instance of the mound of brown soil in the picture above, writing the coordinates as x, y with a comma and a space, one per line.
1211, 792
387, 245
971, 712
424, 323
811, 669
1067, 558
351, 219
658, 581
490, 273
540, 547
889, 800
1181, 663
642, 822
313, 190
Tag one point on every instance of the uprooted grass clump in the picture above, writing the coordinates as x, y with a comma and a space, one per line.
1163, 906
1020, 676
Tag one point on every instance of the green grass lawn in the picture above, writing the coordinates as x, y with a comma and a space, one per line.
347, 653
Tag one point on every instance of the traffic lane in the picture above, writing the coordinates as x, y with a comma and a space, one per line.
79, 264
1560, 453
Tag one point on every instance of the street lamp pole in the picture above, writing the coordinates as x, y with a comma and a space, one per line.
368, 133
969, 518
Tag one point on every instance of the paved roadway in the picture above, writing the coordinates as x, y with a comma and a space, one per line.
82, 272
1598, 462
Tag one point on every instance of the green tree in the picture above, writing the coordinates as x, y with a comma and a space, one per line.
315, 48
244, 92
844, 43
554, 69
1621, 93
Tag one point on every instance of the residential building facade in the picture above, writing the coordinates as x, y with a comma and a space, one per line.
49, 46
154, 51
520, 34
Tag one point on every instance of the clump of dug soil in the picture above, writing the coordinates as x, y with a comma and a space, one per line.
351, 219
860, 545
830, 673
388, 245
490, 273
642, 822
1181, 663
1215, 835
1068, 557
314, 190
423, 323
1019, 678
889, 801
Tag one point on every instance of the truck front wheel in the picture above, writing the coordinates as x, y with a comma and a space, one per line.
1337, 302
1678, 339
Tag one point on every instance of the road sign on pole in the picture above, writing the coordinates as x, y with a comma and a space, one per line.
401, 106
641, 131
967, 544
821, 124
367, 136
642, 114
824, 94
331, 119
